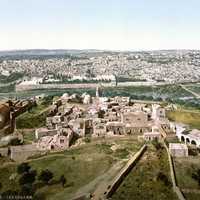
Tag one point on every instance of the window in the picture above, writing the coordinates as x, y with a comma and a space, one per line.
61, 141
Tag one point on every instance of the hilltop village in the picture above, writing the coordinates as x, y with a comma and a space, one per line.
108, 135
74, 119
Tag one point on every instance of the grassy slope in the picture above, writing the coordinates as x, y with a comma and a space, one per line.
141, 183
33, 119
184, 168
190, 118
80, 166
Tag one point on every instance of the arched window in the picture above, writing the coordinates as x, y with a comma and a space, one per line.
182, 139
193, 142
187, 140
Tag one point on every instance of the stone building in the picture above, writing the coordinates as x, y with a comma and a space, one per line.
153, 135
116, 128
178, 150
190, 137
99, 127
56, 142
134, 117
158, 112
22, 152
41, 132
150, 136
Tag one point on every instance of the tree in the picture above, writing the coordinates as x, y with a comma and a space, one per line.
45, 176
27, 177
196, 176
23, 167
62, 180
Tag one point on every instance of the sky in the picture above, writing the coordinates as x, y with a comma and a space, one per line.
100, 24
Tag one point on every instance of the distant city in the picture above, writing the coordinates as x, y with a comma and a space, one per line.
64, 66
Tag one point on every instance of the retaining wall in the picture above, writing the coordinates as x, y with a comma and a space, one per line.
173, 177
117, 181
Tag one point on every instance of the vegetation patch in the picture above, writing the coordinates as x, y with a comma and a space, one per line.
149, 179
190, 118
185, 169
35, 117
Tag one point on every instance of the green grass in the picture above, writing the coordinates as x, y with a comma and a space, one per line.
7, 89
13, 77
5, 174
190, 118
184, 167
80, 166
34, 118
141, 183
28, 135
195, 88
192, 196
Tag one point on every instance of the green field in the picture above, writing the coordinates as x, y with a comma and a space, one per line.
187, 117
184, 167
195, 88
34, 118
192, 196
149, 92
80, 166
143, 184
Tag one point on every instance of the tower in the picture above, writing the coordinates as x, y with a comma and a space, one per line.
97, 91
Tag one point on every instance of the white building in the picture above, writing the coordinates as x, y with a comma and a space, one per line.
178, 150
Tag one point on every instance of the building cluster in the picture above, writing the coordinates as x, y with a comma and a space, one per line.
99, 117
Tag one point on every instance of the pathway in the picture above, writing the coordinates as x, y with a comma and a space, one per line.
190, 91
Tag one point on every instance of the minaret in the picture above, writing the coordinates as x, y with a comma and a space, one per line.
97, 91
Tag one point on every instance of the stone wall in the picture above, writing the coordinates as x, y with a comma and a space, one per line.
173, 178
117, 181
22, 152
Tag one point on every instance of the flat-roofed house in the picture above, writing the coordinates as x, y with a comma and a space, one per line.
178, 150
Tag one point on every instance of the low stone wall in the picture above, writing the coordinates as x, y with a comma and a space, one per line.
117, 181
173, 177
21, 87
22, 152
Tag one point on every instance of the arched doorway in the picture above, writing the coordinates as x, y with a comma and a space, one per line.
182, 139
193, 142
187, 140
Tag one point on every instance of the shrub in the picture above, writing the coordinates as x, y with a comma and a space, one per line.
45, 176
22, 168
196, 176
162, 177
62, 180
27, 177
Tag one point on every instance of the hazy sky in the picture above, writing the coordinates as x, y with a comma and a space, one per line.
100, 24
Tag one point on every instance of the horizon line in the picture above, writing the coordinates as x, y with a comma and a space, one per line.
96, 49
